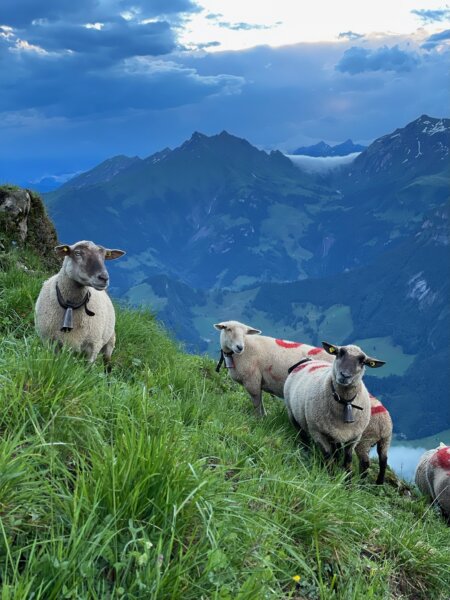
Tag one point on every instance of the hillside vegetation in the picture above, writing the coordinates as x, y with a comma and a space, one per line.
157, 482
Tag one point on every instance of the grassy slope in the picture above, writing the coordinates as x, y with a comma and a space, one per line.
157, 482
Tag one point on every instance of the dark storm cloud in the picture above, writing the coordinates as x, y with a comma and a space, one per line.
78, 86
85, 58
20, 13
430, 16
436, 39
358, 60
118, 38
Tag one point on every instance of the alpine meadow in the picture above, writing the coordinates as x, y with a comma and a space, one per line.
156, 481
224, 300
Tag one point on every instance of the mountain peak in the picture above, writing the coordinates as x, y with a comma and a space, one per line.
197, 135
323, 149
423, 144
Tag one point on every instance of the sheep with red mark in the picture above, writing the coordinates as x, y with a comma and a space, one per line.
433, 477
259, 363
330, 402
378, 432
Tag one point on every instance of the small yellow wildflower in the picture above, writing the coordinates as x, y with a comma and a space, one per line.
296, 578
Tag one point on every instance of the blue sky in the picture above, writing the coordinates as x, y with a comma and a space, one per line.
83, 81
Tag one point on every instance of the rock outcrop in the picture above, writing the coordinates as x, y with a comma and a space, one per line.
24, 221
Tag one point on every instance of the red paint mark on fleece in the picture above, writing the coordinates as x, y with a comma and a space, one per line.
318, 367
274, 377
314, 351
442, 458
286, 344
300, 367
377, 409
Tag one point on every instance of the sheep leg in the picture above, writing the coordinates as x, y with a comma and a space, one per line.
107, 351
254, 388
58, 345
348, 452
363, 465
303, 435
362, 451
325, 445
87, 348
382, 458
258, 403
336, 450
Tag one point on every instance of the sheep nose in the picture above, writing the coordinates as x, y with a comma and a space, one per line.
103, 277
239, 348
345, 375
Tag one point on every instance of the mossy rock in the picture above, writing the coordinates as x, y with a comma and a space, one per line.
27, 224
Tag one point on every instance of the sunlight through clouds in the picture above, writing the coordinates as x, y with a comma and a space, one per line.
237, 25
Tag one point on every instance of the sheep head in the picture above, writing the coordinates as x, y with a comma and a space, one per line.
84, 262
232, 335
348, 368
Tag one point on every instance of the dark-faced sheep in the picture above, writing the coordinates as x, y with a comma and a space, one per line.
330, 402
73, 307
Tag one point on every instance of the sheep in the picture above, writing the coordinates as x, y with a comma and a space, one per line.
378, 432
433, 477
260, 363
73, 307
320, 398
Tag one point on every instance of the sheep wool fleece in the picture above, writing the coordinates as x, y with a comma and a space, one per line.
433, 476
310, 402
88, 333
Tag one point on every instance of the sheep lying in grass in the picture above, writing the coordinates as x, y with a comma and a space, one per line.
73, 307
378, 432
260, 363
329, 401
433, 477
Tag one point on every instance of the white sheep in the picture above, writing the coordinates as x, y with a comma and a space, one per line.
329, 402
433, 477
258, 362
378, 432
73, 307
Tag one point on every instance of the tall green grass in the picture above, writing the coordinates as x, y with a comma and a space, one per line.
157, 482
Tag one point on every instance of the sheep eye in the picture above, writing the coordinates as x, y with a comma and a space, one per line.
77, 253
342, 352
228, 329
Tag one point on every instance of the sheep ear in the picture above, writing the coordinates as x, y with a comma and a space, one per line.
330, 348
374, 363
63, 250
112, 254
251, 331
220, 326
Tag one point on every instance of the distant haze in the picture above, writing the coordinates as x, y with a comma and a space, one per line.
403, 460
321, 164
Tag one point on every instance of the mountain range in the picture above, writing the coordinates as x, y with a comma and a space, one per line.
324, 149
217, 229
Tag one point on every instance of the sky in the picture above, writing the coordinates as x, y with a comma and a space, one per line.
83, 81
